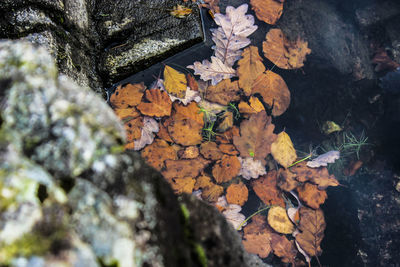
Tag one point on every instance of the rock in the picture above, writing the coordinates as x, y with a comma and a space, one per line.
377, 12
71, 196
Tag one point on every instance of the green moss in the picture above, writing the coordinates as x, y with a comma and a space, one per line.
185, 213
117, 149
201, 254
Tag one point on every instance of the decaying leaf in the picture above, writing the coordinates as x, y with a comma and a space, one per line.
233, 215
256, 136
286, 180
226, 168
163, 132
251, 168
283, 248
226, 122
282, 52
184, 168
215, 70
192, 83
254, 106
129, 95
182, 185
330, 127
268, 11
279, 220
250, 66
319, 176
227, 137
283, 151
180, 11
224, 92
258, 225
312, 226
126, 113
159, 104
190, 96
265, 188
273, 90
210, 191
311, 195
156, 153
324, 159
237, 194
150, 126
190, 152
133, 130
228, 149
175, 82
257, 244
210, 150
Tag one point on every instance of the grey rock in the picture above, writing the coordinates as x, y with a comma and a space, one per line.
377, 12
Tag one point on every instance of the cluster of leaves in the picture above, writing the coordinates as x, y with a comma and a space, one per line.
169, 121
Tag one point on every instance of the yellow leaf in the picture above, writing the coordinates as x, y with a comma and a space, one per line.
175, 82
283, 151
279, 221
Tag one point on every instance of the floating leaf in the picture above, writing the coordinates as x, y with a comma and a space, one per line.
133, 130
150, 126
250, 66
258, 225
251, 168
192, 83
189, 97
224, 92
237, 194
184, 168
279, 220
283, 248
312, 226
256, 136
160, 104
156, 153
226, 168
319, 176
227, 137
215, 70
324, 159
268, 11
228, 149
129, 95
175, 82
283, 151
233, 215
126, 113
265, 188
253, 107
273, 90
257, 244
286, 180
182, 185
226, 122
163, 132
210, 191
311, 195
210, 150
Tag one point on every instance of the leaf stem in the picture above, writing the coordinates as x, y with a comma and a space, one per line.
248, 218
303, 159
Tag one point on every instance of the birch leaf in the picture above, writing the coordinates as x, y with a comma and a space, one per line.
175, 82
283, 151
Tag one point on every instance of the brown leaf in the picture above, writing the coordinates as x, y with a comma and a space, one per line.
156, 153
257, 244
237, 194
228, 149
133, 130
283, 248
254, 106
283, 53
283, 151
224, 92
268, 11
311, 195
250, 66
160, 104
227, 137
265, 188
175, 82
226, 122
273, 90
209, 150
312, 226
286, 180
126, 113
226, 169
279, 220
163, 132
190, 152
258, 225
184, 168
210, 191
383, 61
129, 95
256, 137
182, 185
319, 176
192, 83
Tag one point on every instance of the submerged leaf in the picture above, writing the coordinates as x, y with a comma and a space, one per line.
266, 189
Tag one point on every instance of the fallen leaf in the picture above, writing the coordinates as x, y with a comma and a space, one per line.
126, 113
180, 11
283, 53
224, 92
182, 185
250, 66
237, 194
210, 191
279, 220
226, 122
215, 70
160, 104
163, 132
283, 248
273, 90
265, 188
133, 129
251, 168
258, 225
156, 153
253, 107
184, 168
233, 215
256, 136
383, 61
226, 169
330, 127
319, 176
311, 195
129, 95
312, 226
210, 150
150, 126
324, 159
228, 149
192, 83
257, 244
212, 5
286, 180
227, 137
190, 96
175, 82
283, 151
268, 11
190, 152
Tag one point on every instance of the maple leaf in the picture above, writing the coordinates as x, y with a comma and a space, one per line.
250, 66
251, 168
279, 220
268, 11
215, 70
256, 136
266, 189
129, 95
237, 194
226, 168
150, 126
156, 153
283, 151
175, 82
224, 92
160, 104
273, 90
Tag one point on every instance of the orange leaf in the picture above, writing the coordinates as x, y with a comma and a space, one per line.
282, 52
226, 122
210, 191
319, 176
182, 185
283, 248
126, 113
163, 132
175, 82
129, 95
226, 168
209, 150
253, 107
257, 244
227, 137
228, 149
268, 11
256, 136
311, 195
224, 92
237, 194
273, 90
160, 104
265, 188
190, 152
312, 226
156, 153
184, 168
192, 83
250, 66
133, 130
